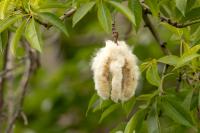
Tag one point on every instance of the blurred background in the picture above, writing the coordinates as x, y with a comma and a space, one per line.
60, 90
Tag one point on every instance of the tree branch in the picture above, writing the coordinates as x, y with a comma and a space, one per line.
2, 79
29, 68
155, 34
69, 13
168, 20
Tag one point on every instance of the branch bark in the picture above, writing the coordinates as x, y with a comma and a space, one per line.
155, 34
3, 79
29, 69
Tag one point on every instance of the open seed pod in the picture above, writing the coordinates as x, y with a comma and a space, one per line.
115, 71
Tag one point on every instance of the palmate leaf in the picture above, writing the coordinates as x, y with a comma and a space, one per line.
16, 38
31, 35
124, 10
176, 112
104, 16
5, 23
54, 20
81, 12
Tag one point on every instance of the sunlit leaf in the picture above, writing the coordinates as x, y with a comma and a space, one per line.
50, 5
124, 10
108, 111
104, 17
3, 9
54, 20
181, 5
5, 23
185, 59
16, 38
81, 12
152, 75
172, 29
32, 35
135, 123
169, 59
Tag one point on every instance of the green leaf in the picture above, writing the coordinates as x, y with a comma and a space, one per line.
199, 99
172, 29
104, 17
136, 8
4, 8
124, 10
153, 120
16, 38
169, 59
32, 35
181, 5
93, 99
81, 12
135, 123
176, 112
50, 5
154, 6
3, 40
152, 75
102, 104
193, 14
190, 4
187, 101
54, 20
128, 106
5, 23
185, 59
108, 111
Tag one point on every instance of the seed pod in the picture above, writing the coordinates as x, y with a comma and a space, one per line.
115, 62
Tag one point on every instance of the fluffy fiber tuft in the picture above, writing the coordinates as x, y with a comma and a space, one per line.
115, 71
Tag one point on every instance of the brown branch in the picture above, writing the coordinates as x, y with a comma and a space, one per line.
168, 20
155, 34
29, 64
2, 79
69, 13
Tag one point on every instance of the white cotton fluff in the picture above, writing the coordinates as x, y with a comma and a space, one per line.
115, 71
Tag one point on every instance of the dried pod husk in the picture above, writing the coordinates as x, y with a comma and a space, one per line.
118, 62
